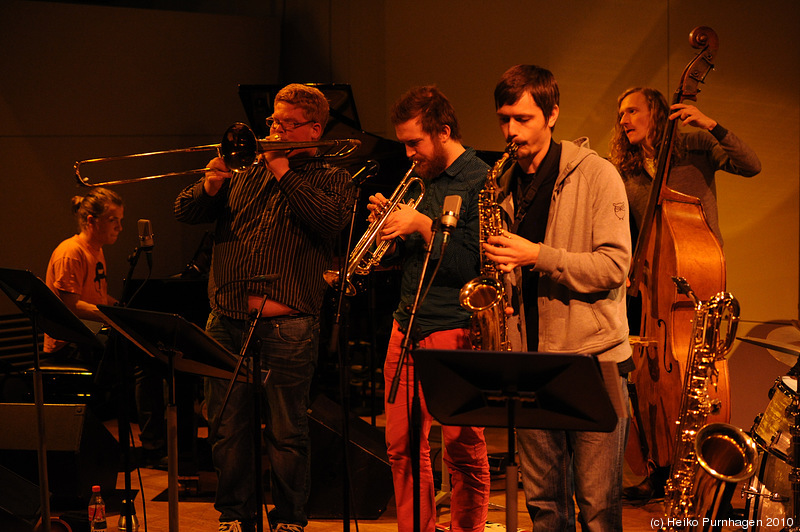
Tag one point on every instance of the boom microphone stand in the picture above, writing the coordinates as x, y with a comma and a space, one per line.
250, 348
344, 367
124, 370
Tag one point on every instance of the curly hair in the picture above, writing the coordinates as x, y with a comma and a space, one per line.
95, 203
629, 158
310, 99
433, 108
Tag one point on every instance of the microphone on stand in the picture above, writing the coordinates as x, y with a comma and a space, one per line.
449, 218
146, 241
370, 169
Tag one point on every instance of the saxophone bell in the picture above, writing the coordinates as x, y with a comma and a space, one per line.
709, 460
481, 293
485, 296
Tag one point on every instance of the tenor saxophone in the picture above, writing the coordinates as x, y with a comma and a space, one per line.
485, 296
708, 459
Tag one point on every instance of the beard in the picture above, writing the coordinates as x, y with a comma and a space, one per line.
430, 168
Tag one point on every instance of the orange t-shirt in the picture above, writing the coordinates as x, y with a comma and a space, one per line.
76, 268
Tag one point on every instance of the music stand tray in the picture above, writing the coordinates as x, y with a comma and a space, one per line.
166, 336
552, 391
47, 312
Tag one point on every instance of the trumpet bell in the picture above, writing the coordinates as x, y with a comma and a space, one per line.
332, 278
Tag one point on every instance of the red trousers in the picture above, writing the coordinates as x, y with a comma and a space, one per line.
466, 449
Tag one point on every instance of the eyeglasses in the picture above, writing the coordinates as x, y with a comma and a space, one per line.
287, 125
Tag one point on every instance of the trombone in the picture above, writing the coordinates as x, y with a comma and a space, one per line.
239, 150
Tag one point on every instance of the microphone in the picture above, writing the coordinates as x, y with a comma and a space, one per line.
145, 235
370, 169
450, 211
146, 240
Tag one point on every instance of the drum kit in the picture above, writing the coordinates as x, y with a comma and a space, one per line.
769, 495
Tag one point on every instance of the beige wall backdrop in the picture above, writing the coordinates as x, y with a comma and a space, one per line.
597, 49
81, 81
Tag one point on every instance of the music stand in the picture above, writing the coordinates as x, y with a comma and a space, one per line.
514, 390
47, 314
183, 346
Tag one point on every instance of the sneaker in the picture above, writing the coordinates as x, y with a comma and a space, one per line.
288, 527
230, 526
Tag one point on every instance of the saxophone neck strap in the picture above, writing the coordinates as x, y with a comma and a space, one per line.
525, 197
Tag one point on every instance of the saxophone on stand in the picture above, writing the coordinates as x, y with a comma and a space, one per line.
708, 459
485, 296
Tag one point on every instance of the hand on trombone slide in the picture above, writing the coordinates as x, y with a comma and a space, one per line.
215, 175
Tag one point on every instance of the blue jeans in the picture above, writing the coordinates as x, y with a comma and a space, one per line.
289, 347
557, 464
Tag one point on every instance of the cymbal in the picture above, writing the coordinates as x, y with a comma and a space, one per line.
782, 352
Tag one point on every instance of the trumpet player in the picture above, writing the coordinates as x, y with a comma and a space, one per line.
426, 124
282, 218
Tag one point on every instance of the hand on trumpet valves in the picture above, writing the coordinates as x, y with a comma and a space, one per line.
377, 204
405, 220
510, 251
215, 176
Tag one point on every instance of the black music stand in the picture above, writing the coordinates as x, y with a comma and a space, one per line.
48, 314
183, 346
515, 390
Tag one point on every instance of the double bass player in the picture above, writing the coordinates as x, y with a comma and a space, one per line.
700, 150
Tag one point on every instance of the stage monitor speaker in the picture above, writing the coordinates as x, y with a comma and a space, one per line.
80, 450
371, 477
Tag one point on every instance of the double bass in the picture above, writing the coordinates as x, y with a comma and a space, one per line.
674, 240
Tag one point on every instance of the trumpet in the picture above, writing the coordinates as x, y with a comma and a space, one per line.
363, 257
239, 150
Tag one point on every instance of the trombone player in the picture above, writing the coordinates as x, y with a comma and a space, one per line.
281, 217
424, 120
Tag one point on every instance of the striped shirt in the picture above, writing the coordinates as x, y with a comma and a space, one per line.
268, 226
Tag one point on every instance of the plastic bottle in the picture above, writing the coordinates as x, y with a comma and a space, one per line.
97, 511
122, 524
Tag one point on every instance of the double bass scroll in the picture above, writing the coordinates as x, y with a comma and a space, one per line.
706, 40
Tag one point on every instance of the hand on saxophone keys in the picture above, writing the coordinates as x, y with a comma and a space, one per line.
510, 251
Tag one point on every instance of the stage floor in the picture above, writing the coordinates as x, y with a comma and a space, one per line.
196, 511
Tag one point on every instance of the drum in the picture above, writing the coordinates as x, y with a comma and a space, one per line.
768, 495
771, 428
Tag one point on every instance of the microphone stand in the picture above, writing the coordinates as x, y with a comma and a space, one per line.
344, 369
416, 409
123, 422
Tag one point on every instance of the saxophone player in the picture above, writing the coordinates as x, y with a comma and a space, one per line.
570, 240
426, 124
